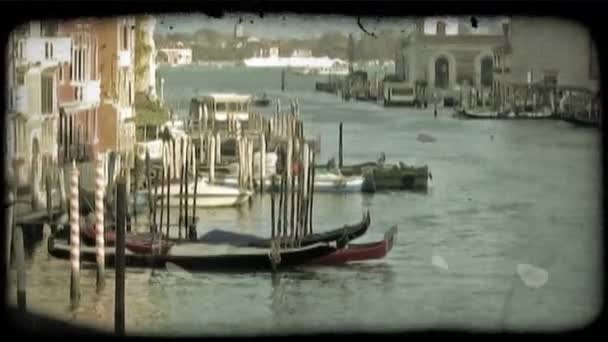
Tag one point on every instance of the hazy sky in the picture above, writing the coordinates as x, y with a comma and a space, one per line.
279, 26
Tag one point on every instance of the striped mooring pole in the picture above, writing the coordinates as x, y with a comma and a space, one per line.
99, 224
74, 237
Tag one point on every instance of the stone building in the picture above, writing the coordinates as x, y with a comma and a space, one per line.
549, 52
79, 92
116, 39
35, 54
443, 61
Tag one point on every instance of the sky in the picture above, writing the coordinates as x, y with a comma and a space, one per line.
290, 26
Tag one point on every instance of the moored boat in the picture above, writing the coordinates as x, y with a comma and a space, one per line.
341, 235
379, 176
360, 251
207, 195
195, 257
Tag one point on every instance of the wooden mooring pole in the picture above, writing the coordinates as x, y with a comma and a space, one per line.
19, 249
119, 293
312, 191
74, 237
272, 213
10, 221
340, 148
181, 197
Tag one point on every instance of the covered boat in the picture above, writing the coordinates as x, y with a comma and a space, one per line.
379, 176
342, 235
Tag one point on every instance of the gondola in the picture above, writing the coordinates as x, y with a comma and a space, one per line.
360, 251
341, 235
196, 257
142, 242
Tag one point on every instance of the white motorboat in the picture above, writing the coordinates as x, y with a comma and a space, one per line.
207, 195
324, 182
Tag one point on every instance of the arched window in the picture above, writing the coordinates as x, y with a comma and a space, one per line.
442, 73
486, 71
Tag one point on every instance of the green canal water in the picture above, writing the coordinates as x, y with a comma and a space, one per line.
504, 193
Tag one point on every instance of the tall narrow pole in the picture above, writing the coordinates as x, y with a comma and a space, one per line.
119, 294
272, 218
340, 150
20, 261
181, 198
74, 237
99, 223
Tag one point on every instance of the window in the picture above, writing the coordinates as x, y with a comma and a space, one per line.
486, 72
233, 107
125, 37
402, 91
442, 73
46, 88
61, 72
130, 95
20, 49
220, 107
20, 77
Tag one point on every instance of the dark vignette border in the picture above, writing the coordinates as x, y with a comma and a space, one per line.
588, 13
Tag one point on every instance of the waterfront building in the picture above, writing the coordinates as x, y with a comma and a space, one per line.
116, 39
547, 52
78, 91
443, 59
35, 54
178, 56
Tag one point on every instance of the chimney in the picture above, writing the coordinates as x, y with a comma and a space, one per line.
440, 28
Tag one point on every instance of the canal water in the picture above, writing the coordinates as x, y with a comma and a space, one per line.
503, 193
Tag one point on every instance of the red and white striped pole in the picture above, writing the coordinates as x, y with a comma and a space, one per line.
74, 237
99, 224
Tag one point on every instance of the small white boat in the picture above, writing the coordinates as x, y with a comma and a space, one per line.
207, 195
480, 113
325, 182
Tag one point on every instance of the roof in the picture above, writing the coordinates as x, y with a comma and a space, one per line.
224, 97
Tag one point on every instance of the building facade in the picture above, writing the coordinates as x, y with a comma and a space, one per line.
35, 54
443, 62
115, 38
178, 56
79, 87
544, 52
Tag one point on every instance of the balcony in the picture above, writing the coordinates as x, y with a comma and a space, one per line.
124, 58
44, 50
91, 91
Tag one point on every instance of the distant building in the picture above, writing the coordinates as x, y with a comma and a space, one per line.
547, 51
181, 56
301, 53
445, 61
